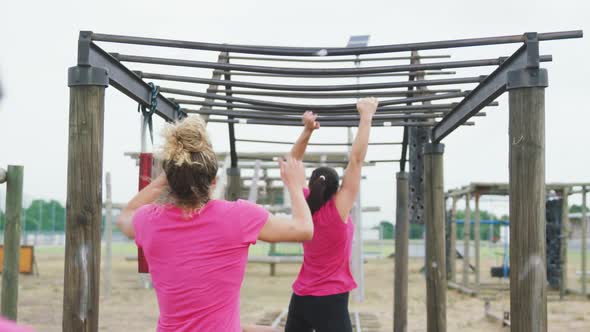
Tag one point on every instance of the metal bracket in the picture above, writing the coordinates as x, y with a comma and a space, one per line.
530, 76
532, 49
521, 69
88, 75
84, 73
84, 41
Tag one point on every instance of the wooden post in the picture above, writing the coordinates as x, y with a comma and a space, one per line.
477, 240
528, 297
84, 211
12, 230
466, 238
584, 243
402, 232
565, 227
436, 275
453, 249
234, 184
108, 234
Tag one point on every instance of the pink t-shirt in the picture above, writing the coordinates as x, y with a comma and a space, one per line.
326, 258
198, 262
10, 326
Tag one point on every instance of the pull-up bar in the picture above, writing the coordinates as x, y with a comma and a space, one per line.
274, 110
238, 73
314, 71
341, 107
334, 95
317, 88
233, 57
341, 124
322, 118
324, 124
312, 144
330, 51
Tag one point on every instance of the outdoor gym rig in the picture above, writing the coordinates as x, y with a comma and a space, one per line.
420, 190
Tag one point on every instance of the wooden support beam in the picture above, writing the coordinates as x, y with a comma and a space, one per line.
584, 243
12, 231
108, 238
436, 276
565, 227
466, 238
402, 232
84, 211
528, 290
453, 247
476, 236
503, 319
461, 288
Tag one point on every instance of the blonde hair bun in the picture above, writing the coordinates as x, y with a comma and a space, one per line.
183, 139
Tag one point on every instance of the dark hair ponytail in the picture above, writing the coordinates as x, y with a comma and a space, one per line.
323, 184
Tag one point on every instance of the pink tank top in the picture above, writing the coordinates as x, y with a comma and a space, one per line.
197, 263
326, 258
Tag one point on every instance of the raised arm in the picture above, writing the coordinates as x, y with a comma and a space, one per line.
299, 227
351, 182
146, 196
310, 124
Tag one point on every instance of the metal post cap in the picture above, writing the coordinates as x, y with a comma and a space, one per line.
527, 78
401, 175
2, 175
87, 75
233, 171
430, 148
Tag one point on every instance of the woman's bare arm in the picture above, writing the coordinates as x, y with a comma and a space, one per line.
310, 124
352, 175
146, 196
299, 227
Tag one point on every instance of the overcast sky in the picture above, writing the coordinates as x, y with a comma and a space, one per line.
38, 43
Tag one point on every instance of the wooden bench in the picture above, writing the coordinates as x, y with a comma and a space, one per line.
27, 264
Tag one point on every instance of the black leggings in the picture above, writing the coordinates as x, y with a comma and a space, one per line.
319, 313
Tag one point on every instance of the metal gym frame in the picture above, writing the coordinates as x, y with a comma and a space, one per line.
420, 190
473, 192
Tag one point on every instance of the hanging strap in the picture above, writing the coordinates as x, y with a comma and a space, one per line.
147, 114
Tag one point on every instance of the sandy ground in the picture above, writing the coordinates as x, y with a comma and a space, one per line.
132, 308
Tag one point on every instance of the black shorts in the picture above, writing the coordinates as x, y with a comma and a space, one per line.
319, 314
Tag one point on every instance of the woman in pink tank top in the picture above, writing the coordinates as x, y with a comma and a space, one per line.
196, 246
320, 293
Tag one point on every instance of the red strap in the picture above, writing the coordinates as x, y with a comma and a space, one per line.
145, 177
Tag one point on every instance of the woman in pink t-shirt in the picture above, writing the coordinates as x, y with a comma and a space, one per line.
320, 293
197, 247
